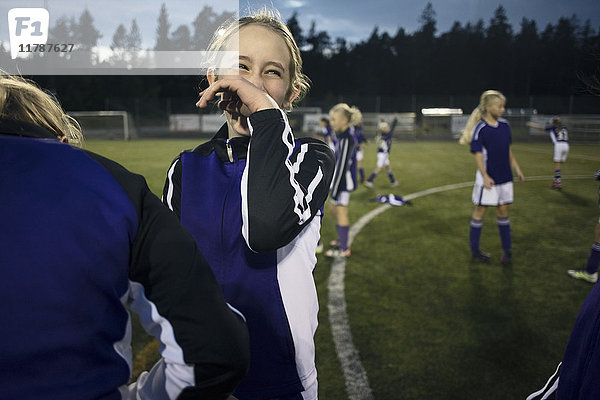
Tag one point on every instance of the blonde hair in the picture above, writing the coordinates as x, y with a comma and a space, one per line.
356, 117
271, 19
352, 114
384, 126
478, 113
22, 100
556, 121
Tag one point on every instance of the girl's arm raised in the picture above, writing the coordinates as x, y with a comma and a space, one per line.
535, 125
285, 181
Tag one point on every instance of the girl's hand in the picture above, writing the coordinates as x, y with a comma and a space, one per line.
521, 176
239, 97
488, 182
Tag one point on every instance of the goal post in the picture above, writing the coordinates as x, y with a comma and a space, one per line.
105, 124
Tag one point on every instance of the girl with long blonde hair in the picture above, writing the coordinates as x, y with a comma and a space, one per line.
489, 137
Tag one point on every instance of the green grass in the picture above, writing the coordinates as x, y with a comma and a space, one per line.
151, 157
427, 321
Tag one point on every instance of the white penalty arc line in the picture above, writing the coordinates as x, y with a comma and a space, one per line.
357, 382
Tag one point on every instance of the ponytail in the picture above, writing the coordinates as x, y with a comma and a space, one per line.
356, 118
352, 114
467, 134
478, 114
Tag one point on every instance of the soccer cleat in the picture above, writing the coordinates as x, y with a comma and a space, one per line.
395, 183
337, 252
506, 257
482, 256
582, 274
556, 185
369, 184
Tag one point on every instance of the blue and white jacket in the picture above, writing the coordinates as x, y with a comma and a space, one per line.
344, 178
250, 203
81, 239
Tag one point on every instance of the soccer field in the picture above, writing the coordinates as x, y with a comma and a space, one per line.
427, 322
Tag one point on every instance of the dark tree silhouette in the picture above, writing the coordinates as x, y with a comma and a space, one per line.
85, 34
162, 30
63, 30
119, 39
134, 38
180, 39
296, 30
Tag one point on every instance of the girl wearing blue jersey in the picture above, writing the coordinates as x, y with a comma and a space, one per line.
560, 138
489, 136
344, 178
384, 146
252, 198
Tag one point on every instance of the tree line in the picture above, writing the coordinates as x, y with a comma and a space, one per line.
467, 59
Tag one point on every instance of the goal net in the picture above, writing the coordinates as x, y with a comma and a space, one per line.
105, 124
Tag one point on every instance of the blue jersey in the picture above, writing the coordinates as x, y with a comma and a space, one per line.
581, 362
81, 240
359, 135
494, 142
556, 134
329, 136
577, 375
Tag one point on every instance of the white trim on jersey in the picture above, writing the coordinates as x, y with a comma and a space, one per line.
177, 374
342, 164
295, 264
549, 388
169, 198
301, 200
478, 129
313, 185
299, 195
123, 346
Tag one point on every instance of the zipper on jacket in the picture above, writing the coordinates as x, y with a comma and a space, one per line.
229, 150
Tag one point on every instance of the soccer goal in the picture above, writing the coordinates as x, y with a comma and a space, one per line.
105, 124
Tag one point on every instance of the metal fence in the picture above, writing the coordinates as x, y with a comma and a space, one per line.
157, 117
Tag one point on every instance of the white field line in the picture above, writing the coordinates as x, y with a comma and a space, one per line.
357, 382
